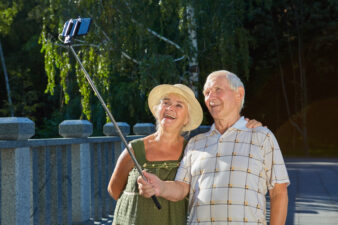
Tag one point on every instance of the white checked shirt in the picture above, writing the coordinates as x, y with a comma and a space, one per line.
230, 174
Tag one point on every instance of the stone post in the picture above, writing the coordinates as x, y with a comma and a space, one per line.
15, 168
109, 129
144, 128
80, 164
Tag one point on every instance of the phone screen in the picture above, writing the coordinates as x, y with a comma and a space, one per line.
84, 27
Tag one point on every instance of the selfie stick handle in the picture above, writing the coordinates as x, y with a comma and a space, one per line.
137, 165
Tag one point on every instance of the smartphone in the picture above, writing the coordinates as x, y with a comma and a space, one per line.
76, 27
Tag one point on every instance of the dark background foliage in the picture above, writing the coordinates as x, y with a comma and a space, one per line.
285, 52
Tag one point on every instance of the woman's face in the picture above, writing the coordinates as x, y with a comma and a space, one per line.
173, 112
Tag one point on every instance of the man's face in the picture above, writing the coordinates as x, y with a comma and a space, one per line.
220, 99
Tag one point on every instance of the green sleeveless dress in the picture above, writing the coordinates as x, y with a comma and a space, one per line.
132, 208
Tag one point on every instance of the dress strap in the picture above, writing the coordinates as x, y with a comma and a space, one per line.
139, 151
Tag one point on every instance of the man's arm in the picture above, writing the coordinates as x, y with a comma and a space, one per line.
170, 190
278, 204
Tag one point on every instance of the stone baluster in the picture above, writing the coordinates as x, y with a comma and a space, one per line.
80, 168
15, 169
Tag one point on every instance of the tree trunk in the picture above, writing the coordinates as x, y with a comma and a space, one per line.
302, 76
193, 57
6, 81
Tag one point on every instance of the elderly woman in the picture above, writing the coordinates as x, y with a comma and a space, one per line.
176, 110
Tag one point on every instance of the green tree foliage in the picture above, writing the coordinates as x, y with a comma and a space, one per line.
285, 51
136, 45
8, 11
20, 29
223, 37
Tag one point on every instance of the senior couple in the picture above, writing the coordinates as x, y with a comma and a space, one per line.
218, 177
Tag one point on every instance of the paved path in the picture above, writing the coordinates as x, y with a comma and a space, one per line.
313, 193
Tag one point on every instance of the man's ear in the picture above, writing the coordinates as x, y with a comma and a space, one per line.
240, 94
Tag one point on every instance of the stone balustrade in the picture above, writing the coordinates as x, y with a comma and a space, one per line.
60, 180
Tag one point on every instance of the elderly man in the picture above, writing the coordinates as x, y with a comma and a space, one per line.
229, 169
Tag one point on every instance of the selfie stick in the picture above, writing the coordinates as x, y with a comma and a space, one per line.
137, 165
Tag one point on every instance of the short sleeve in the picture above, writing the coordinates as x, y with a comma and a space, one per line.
274, 163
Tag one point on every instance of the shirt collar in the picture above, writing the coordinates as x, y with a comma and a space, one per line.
239, 125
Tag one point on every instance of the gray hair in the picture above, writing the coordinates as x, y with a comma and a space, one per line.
233, 81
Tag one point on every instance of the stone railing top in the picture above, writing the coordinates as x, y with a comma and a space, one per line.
144, 128
75, 128
21, 128
16, 128
109, 129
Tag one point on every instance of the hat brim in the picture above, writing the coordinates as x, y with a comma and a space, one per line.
195, 109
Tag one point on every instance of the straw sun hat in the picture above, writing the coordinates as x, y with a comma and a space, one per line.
195, 109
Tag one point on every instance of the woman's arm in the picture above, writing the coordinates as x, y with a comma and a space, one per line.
253, 123
119, 177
